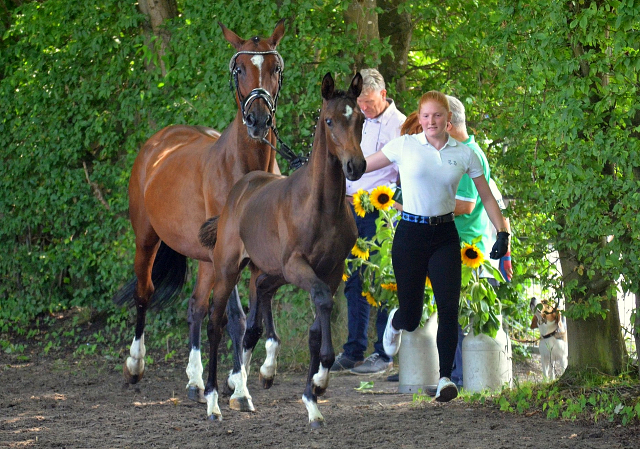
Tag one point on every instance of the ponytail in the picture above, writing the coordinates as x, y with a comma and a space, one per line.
411, 125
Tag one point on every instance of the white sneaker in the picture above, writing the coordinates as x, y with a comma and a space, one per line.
446, 391
392, 338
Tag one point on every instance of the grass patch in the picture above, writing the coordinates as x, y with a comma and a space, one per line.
578, 395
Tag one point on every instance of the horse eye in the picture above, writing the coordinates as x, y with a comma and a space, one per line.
329, 122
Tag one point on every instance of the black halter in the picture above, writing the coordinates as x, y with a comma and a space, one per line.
272, 103
245, 103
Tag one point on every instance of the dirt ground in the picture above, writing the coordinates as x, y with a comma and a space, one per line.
83, 404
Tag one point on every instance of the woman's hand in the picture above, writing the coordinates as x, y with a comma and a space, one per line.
501, 246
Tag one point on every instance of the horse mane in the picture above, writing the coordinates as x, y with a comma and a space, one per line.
209, 232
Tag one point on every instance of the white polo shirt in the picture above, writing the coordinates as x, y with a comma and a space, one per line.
430, 177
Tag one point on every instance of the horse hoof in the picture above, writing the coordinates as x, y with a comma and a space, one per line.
317, 424
215, 418
241, 404
131, 378
196, 395
266, 382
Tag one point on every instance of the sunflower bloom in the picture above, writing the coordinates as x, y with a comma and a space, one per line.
360, 202
382, 197
360, 250
370, 299
471, 256
391, 286
427, 283
344, 277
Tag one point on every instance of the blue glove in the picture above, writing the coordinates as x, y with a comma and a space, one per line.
505, 266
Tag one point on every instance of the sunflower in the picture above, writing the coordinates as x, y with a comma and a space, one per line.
370, 299
360, 202
344, 277
471, 256
391, 286
360, 249
427, 283
382, 197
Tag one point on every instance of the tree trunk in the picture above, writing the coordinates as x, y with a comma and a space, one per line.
399, 28
158, 11
363, 14
595, 342
636, 330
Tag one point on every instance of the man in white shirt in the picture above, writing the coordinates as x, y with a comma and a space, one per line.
382, 124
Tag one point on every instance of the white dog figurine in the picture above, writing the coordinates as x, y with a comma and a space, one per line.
553, 338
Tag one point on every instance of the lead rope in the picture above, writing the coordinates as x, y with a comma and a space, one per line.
295, 161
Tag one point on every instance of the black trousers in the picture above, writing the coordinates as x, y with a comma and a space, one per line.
420, 250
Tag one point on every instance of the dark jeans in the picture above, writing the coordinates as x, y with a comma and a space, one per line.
420, 250
358, 308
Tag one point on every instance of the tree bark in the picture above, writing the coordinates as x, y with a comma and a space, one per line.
636, 330
363, 14
158, 11
399, 28
594, 342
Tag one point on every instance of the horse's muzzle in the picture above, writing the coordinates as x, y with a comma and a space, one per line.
354, 168
258, 125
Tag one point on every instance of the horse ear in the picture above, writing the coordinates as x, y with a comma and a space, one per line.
356, 85
232, 37
278, 32
328, 86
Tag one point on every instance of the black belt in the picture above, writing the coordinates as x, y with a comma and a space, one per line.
446, 218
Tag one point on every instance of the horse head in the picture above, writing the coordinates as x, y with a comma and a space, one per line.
256, 72
343, 121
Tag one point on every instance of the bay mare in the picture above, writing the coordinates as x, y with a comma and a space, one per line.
297, 230
183, 175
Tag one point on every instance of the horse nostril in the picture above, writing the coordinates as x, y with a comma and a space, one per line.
269, 121
350, 168
251, 120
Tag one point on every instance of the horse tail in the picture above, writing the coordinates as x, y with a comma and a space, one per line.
209, 232
169, 274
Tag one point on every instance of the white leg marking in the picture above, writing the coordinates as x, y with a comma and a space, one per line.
194, 369
238, 382
212, 404
257, 61
135, 363
321, 378
312, 408
268, 368
246, 360
348, 110
545, 359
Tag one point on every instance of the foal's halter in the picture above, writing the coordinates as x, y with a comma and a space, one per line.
245, 103
272, 103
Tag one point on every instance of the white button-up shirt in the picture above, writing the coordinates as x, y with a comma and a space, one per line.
376, 132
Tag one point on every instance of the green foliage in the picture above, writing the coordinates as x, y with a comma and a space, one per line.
571, 126
479, 304
576, 396
69, 101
